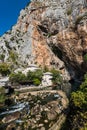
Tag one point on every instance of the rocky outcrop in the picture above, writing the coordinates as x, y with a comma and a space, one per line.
49, 33
11, 118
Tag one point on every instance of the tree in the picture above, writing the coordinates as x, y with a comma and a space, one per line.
79, 99
35, 75
17, 77
79, 105
4, 69
31, 77
57, 78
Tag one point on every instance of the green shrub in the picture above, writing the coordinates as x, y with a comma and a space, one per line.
78, 99
30, 75
79, 18
2, 98
69, 11
17, 93
12, 38
4, 69
17, 77
2, 90
2, 56
37, 74
46, 69
13, 56
85, 57
49, 35
57, 78
33, 77
36, 82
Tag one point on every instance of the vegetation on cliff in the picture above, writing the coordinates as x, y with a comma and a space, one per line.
77, 117
31, 77
4, 69
79, 106
35, 77
57, 78
2, 95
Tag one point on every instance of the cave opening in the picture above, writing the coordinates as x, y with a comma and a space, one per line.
57, 52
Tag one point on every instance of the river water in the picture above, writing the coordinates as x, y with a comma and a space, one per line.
18, 107
15, 108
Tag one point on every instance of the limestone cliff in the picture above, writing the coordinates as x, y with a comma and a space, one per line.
49, 33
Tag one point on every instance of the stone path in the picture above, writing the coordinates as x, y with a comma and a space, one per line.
57, 125
62, 94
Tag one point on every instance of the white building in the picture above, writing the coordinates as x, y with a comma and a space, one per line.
31, 68
47, 79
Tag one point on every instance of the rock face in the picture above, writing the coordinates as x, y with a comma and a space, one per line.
49, 33
11, 118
